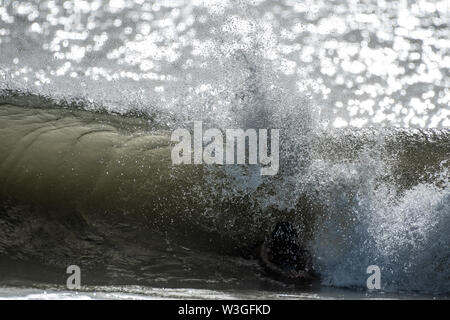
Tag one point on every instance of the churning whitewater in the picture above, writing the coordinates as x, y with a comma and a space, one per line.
92, 92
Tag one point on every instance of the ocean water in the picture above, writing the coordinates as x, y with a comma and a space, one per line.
91, 90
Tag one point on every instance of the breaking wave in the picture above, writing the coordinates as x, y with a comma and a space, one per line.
85, 170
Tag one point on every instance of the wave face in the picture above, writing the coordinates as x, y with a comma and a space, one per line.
100, 175
89, 95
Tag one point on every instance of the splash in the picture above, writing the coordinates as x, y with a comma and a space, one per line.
368, 221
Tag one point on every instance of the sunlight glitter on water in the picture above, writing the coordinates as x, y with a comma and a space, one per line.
371, 63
